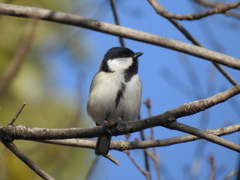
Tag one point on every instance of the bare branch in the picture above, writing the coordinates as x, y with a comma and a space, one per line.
18, 113
201, 105
27, 161
145, 173
213, 167
214, 4
111, 158
221, 8
205, 135
191, 38
148, 104
117, 21
146, 159
70, 19
128, 145
231, 174
166, 120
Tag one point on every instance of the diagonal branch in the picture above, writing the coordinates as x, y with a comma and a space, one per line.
159, 8
205, 135
70, 19
145, 173
18, 113
27, 161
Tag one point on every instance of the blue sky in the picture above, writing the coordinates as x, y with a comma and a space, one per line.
167, 83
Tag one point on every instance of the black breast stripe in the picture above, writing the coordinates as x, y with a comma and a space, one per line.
119, 94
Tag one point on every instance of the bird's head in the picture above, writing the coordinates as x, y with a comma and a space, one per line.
120, 58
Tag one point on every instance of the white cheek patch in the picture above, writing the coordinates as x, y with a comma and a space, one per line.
119, 63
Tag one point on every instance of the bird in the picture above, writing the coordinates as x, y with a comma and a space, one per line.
115, 92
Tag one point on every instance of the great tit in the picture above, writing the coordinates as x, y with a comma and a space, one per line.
115, 91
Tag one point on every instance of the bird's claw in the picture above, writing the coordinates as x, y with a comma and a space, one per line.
106, 127
112, 125
119, 121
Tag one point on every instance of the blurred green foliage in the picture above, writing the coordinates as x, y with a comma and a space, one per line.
28, 85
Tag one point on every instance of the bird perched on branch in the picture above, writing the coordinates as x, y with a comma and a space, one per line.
115, 92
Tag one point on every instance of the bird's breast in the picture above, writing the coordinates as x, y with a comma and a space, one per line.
111, 97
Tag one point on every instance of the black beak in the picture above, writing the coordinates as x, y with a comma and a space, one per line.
136, 55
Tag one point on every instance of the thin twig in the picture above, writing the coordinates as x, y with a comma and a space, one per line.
214, 4
231, 174
213, 166
155, 159
111, 158
150, 154
145, 173
217, 10
148, 104
117, 21
17, 114
27, 161
146, 159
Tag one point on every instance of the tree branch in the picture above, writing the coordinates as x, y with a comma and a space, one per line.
158, 8
35, 133
214, 4
130, 145
166, 119
221, 8
145, 173
205, 135
27, 161
231, 174
117, 21
70, 19
17, 114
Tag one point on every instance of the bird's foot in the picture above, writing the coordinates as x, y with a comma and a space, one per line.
112, 125
106, 127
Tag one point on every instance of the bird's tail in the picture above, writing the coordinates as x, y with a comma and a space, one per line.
102, 146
